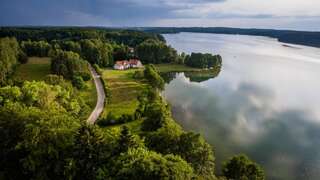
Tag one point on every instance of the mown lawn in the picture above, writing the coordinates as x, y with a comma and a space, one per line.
124, 90
175, 68
36, 69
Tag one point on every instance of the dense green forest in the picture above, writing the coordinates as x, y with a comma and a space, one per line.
43, 128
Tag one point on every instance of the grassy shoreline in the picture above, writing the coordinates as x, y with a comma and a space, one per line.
163, 68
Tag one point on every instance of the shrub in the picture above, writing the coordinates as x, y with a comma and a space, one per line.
53, 79
126, 118
78, 82
138, 75
109, 120
23, 58
85, 75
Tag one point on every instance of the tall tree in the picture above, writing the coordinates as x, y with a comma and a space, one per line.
9, 53
90, 153
126, 140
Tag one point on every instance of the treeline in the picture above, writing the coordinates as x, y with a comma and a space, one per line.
287, 36
157, 52
93, 50
119, 36
36, 48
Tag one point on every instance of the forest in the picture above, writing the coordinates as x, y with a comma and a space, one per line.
43, 128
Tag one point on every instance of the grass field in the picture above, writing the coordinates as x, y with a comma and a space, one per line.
124, 91
36, 69
134, 126
175, 68
89, 94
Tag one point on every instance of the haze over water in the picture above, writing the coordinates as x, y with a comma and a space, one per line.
264, 103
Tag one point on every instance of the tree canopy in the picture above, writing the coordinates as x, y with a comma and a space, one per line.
200, 60
36, 48
68, 64
242, 168
155, 52
9, 54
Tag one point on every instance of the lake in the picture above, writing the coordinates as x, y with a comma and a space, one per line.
265, 102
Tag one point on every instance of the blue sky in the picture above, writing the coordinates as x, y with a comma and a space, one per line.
280, 14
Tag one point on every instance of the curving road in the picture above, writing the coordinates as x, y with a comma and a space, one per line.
100, 96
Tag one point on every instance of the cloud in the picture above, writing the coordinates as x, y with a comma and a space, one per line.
242, 13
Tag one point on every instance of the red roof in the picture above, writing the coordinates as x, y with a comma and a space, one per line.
134, 61
125, 62
122, 62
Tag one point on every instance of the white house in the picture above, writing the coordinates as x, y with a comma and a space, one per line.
124, 64
135, 63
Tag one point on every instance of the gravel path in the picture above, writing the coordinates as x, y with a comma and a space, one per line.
100, 95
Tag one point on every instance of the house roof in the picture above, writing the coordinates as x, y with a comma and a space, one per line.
130, 62
122, 62
134, 61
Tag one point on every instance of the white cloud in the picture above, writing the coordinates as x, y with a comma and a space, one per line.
281, 14
284, 14
273, 7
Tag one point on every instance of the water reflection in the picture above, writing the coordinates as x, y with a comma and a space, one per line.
263, 103
194, 76
285, 142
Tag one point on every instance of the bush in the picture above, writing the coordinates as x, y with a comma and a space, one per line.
97, 68
126, 118
78, 82
138, 75
53, 79
23, 58
156, 115
85, 75
111, 119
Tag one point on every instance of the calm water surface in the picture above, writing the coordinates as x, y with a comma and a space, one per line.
264, 103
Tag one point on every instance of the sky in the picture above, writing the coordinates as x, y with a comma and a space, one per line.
277, 14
